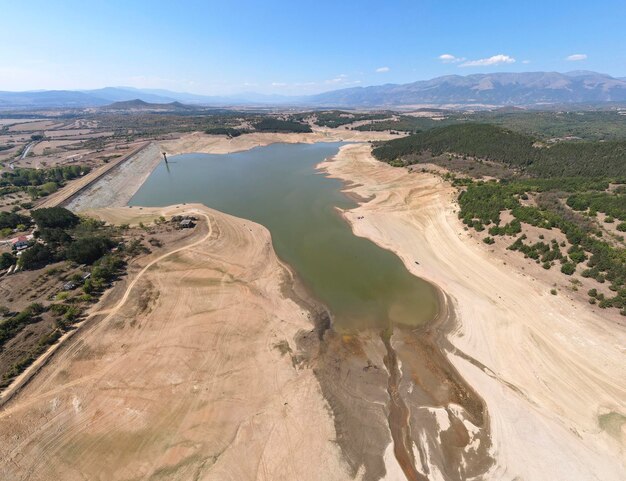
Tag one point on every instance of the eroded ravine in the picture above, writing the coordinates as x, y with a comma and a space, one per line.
399, 415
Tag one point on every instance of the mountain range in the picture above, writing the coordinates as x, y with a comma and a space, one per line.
496, 89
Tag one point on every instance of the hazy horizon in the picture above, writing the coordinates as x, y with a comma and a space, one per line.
210, 48
268, 94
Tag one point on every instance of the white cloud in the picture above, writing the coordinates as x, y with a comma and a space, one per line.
526, 61
493, 60
577, 57
382, 69
341, 79
449, 58
279, 84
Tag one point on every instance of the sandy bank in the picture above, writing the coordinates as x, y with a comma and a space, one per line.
549, 370
191, 375
219, 144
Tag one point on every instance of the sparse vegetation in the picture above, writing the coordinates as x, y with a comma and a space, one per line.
270, 124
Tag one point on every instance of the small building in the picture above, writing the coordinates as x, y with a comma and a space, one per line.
187, 224
68, 286
20, 243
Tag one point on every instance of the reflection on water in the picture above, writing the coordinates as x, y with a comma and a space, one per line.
278, 186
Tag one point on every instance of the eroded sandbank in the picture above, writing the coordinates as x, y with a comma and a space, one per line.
546, 367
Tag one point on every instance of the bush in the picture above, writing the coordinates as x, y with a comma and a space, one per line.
36, 257
10, 220
228, 131
48, 188
55, 217
7, 260
54, 236
88, 249
621, 227
269, 124
568, 268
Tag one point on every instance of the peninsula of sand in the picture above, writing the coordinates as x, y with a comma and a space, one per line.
208, 362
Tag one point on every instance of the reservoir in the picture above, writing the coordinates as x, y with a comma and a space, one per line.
278, 186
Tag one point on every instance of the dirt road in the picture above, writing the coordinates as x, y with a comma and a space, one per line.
189, 376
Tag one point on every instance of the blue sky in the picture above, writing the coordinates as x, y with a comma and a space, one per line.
294, 47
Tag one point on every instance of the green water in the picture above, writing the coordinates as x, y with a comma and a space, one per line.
278, 186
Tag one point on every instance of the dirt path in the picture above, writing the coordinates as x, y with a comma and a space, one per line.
192, 375
35, 367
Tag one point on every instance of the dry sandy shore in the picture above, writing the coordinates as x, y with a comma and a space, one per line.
213, 144
551, 372
188, 376
204, 367
117, 186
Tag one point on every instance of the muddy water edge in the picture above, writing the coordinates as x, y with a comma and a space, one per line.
378, 344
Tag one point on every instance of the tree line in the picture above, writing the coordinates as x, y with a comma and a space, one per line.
519, 151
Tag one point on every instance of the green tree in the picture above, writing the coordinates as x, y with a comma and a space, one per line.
36, 257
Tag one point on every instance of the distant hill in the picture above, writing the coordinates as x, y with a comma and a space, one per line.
138, 104
50, 99
497, 89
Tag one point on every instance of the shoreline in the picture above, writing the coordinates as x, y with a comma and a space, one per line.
198, 142
484, 306
532, 378
388, 429
117, 186
197, 377
441, 372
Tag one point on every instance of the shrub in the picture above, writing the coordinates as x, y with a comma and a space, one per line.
7, 260
568, 268
54, 236
269, 124
55, 217
88, 249
36, 257
48, 188
10, 220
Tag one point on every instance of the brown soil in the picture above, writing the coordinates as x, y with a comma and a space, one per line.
181, 379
